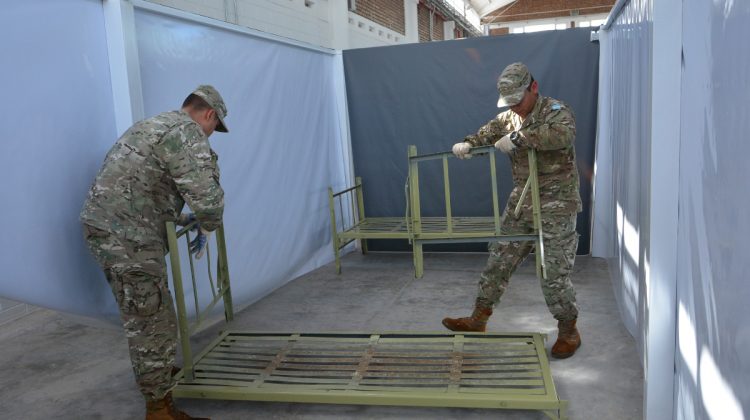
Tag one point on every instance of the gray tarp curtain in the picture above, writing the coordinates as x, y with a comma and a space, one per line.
432, 95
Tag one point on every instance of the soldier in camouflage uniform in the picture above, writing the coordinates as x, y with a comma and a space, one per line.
547, 125
157, 166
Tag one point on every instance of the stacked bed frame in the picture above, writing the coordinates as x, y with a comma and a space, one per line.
349, 223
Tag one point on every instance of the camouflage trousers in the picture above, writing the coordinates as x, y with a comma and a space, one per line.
560, 244
137, 274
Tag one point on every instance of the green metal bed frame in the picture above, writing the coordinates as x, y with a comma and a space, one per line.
423, 369
350, 224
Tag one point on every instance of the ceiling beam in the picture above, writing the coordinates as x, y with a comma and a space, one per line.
485, 7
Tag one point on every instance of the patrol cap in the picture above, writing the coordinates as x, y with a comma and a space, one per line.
209, 94
512, 84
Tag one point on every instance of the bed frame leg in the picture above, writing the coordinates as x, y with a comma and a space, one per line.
337, 253
334, 232
418, 260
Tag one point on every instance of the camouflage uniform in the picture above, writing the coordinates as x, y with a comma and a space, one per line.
147, 176
550, 129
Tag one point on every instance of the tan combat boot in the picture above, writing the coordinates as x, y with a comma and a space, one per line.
164, 409
476, 322
568, 340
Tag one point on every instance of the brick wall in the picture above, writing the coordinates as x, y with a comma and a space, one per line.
437, 27
544, 9
389, 13
499, 31
424, 24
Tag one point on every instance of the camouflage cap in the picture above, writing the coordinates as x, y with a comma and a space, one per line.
512, 84
212, 97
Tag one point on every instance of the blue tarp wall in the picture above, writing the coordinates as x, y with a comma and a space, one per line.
285, 142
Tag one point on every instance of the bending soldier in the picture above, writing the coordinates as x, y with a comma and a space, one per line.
157, 166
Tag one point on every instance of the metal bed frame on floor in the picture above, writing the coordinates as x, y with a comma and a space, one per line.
350, 223
423, 369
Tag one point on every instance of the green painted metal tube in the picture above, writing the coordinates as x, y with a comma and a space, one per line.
203, 315
475, 151
192, 272
341, 213
477, 238
223, 273
353, 210
416, 218
517, 211
361, 211
447, 192
334, 233
495, 201
210, 276
182, 322
537, 210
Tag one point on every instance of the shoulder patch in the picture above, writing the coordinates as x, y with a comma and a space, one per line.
556, 107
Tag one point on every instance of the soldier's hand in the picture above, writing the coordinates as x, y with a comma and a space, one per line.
505, 144
185, 219
198, 245
461, 150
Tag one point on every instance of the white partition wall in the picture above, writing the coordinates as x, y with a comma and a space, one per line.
57, 122
623, 154
284, 147
712, 361
288, 140
672, 198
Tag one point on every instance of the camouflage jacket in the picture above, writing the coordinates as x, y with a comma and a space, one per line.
550, 129
152, 170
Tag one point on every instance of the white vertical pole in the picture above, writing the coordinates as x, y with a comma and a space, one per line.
661, 258
411, 21
119, 22
338, 13
448, 27
342, 107
603, 207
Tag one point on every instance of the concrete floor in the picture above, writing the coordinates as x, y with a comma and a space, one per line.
55, 367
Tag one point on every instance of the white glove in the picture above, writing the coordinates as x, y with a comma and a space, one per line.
505, 145
461, 150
